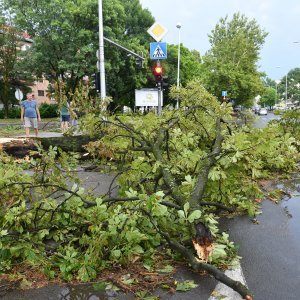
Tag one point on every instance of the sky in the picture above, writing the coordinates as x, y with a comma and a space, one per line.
280, 18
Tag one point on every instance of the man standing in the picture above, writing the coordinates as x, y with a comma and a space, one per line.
30, 114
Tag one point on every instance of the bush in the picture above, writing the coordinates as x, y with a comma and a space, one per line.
48, 110
13, 113
277, 112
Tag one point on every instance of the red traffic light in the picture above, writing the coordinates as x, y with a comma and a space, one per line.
158, 70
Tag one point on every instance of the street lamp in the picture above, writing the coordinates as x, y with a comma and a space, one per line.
286, 89
178, 63
276, 98
286, 85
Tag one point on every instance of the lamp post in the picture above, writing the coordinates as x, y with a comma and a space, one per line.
178, 62
276, 98
101, 51
286, 89
286, 85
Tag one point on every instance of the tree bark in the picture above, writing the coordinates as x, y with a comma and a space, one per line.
21, 147
66, 143
18, 148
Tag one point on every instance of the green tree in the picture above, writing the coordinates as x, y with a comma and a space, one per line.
292, 84
123, 75
8, 58
190, 64
231, 63
268, 82
268, 98
65, 35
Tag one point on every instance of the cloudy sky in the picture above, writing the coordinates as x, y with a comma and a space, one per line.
280, 18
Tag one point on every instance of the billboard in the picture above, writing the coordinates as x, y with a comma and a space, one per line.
146, 97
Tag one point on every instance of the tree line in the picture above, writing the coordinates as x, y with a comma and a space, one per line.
65, 40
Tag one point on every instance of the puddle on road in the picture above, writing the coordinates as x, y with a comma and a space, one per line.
87, 291
292, 204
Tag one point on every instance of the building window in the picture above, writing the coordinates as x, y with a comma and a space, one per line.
41, 93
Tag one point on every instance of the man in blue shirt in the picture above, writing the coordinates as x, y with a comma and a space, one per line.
30, 114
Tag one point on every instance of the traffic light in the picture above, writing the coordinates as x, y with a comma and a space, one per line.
158, 71
96, 81
139, 61
165, 81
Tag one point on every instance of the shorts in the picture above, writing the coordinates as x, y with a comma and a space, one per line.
65, 118
30, 122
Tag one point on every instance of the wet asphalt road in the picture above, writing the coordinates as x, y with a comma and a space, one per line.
270, 250
262, 121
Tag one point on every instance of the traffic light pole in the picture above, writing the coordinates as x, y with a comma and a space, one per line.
159, 90
125, 49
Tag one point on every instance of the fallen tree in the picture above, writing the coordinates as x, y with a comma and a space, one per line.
17, 147
175, 172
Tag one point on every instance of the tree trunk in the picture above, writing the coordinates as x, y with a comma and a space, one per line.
17, 147
21, 147
66, 143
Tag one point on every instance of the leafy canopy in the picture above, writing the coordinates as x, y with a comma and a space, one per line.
231, 63
65, 35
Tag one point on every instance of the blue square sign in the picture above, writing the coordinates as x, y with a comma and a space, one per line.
158, 50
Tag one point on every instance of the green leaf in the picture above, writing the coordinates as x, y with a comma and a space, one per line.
186, 208
188, 179
100, 286
116, 253
126, 279
196, 214
160, 194
181, 214
166, 269
3, 232
159, 210
131, 193
185, 285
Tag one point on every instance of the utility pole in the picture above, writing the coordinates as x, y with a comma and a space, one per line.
286, 88
101, 52
178, 63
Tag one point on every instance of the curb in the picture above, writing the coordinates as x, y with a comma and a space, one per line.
224, 292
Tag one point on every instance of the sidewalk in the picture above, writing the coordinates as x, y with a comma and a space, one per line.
42, 134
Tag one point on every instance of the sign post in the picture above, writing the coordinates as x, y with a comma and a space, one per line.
158, 51
224, 95
19, 94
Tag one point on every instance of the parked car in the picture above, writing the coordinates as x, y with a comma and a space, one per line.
263, 112
256, 109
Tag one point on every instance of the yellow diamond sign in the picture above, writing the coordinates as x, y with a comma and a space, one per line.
157, 31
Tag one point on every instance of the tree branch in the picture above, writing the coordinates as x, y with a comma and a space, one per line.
210, 160
198, 266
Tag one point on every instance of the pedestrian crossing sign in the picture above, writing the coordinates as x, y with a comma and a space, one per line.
158, 50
